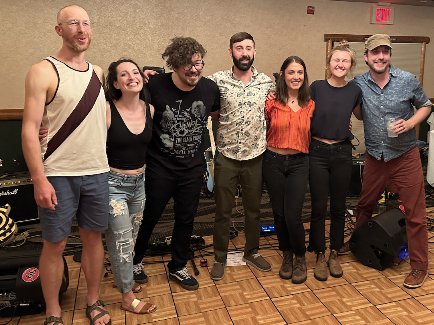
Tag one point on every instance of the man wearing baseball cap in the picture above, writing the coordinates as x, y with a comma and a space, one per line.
391, 94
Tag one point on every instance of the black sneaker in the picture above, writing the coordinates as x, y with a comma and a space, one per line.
184, 279
138, 274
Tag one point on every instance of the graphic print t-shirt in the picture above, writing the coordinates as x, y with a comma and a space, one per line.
180, 118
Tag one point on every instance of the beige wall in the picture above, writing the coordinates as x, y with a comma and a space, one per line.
141, 29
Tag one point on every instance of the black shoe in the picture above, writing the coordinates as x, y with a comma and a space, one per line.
138, 274
184, 279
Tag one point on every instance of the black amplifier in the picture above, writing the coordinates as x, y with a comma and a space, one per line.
20, 283
17, 190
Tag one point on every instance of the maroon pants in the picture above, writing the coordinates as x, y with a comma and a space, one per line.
406, 172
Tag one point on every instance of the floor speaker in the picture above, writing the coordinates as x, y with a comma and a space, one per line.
380, 239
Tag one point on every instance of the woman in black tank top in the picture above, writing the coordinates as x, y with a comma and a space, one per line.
129, 125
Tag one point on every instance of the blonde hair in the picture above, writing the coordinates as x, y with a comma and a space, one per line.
343, 46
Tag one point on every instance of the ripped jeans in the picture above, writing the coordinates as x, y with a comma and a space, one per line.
126, 201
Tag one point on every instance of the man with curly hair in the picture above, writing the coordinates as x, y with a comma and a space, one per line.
175, 162
241, 141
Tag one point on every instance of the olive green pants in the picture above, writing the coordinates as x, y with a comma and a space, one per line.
228, 173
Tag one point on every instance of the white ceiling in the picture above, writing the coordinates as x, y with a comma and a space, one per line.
427, 3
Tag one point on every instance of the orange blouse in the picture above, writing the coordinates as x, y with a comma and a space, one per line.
286, 128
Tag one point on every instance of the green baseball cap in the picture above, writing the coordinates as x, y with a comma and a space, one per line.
377, 40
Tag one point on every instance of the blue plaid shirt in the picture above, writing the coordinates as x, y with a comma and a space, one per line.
395, 100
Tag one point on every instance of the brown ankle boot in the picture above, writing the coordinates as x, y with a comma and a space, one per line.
299, 273
321, 272
335, 265
285, 271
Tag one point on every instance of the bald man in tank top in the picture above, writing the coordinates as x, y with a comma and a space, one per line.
69, 171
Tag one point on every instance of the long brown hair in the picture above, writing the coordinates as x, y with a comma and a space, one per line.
282, 89
113, 93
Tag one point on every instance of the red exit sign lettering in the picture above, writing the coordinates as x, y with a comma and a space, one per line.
382, 15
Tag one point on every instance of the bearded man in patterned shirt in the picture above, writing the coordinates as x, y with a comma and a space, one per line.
241, 141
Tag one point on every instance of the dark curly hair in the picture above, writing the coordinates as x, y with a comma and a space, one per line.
111, 92
180, 51
282, 89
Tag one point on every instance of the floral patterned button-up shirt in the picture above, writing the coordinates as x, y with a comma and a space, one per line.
242, 128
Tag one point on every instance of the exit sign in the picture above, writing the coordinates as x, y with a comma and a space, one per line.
382, 15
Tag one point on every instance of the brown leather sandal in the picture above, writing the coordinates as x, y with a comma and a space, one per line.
101, 312
53, 319
143, 310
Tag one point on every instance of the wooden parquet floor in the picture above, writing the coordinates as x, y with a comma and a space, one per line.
247, 296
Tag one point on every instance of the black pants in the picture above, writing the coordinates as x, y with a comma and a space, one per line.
330, 172
286, 178
186, 200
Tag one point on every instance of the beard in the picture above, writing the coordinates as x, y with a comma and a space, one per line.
77, 48
243, 66
372, 66
191, 74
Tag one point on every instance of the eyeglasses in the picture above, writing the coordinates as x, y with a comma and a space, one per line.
198, 65
75, 23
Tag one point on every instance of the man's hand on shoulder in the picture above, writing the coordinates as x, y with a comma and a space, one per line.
271, 95
148, 73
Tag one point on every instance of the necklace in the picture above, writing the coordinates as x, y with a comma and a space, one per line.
292, 100
131, 112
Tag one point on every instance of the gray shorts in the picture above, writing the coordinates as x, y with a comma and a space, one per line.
86, 197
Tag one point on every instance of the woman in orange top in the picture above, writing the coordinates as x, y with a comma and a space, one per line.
285, 164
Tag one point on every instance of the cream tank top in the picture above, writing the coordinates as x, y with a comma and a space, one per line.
82, 151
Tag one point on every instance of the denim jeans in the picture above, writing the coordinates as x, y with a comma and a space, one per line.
127, 201
330, 172
185, 195
286, 178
